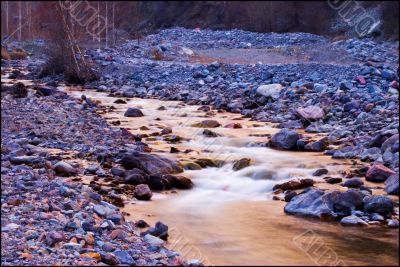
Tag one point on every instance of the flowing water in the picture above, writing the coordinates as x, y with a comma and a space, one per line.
229, 217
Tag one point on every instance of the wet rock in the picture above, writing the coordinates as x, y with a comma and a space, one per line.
289, 195
141, 224
378, 204
378, 173
182, 182
294, 184
207, 124
320, 172
241, 163
353, 183
233, 126
204, 162
325, 205
150, 163
166, 130
160, 230
120, 101
270, 90
310, 113
133, 112
333, 180
143, 192
285, 139
392, 184
64, 168
191, 166
352, 221
209, 133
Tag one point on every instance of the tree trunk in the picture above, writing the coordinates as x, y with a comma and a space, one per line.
106, 24
20, 21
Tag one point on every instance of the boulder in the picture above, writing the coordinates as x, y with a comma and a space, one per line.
310, 113
133, 112
392, 184
353, 183
318, 146
378, 173
270, 90
325, 205
378, 204
150, 163
143, 192
64, 168
285, 139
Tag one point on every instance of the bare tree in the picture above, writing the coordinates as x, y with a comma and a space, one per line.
7, 30
106, 24
20, 21
98, 23
113, 22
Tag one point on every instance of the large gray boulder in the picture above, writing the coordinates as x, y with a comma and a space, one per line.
325, 205
285, 139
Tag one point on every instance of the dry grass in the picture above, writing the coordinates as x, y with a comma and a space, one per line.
18, 53
4, 54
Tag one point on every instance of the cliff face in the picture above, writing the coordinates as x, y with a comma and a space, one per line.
267, 16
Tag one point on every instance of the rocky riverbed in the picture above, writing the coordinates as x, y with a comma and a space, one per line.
80, 169
50, 144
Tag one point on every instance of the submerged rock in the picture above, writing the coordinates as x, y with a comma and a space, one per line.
241, 163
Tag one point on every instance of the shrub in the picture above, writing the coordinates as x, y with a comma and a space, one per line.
4, 53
